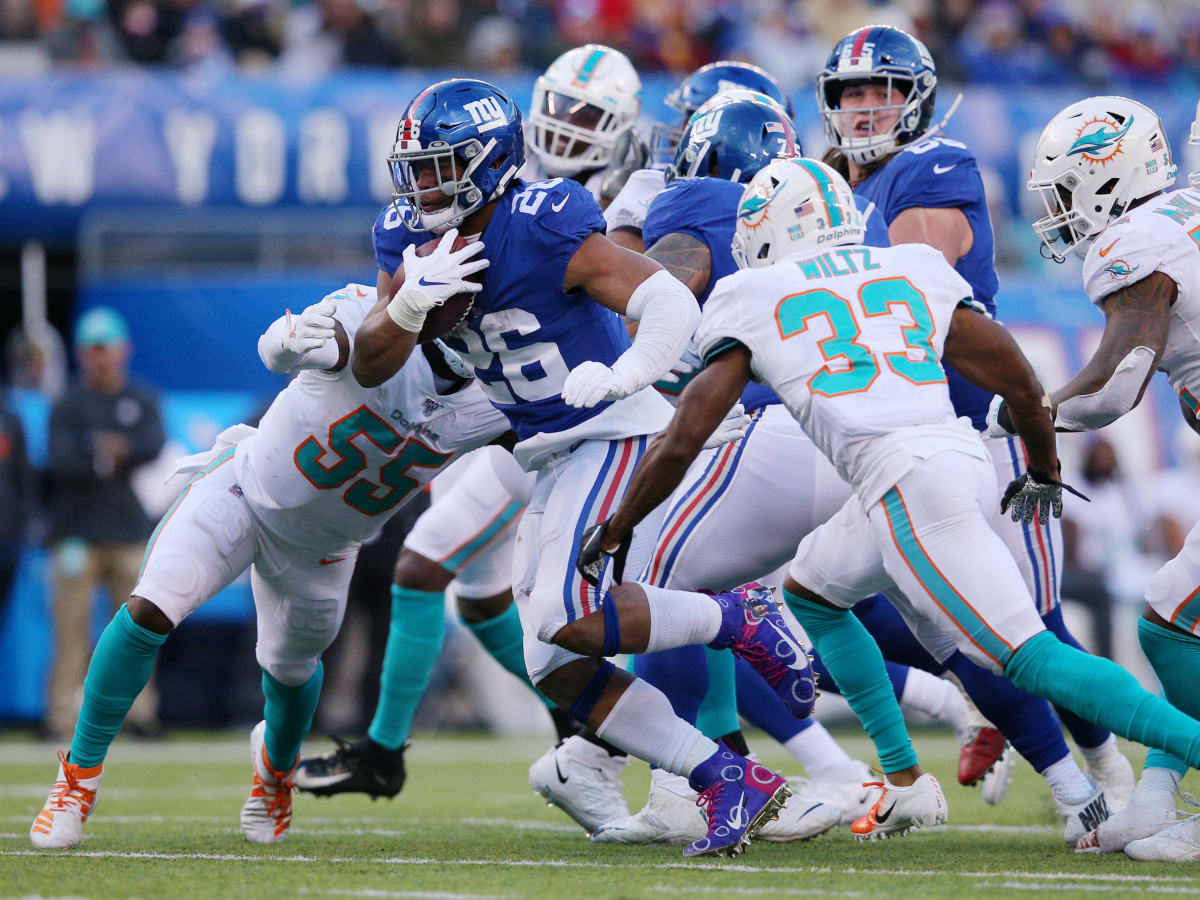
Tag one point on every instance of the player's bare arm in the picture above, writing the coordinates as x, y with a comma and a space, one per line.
685, 257
609, 273
381, 346
946, 230
1135, 334
629, 238
703, 404
985, 354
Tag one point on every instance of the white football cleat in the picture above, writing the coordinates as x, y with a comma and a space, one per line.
71, 800
1113, 773
670, 816
583, 781
850, 786
1081, 818
900, 810
803, 816
1176, 843
994, 785
1149, 811
267, 813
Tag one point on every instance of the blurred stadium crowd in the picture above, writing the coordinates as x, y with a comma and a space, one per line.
1097, 42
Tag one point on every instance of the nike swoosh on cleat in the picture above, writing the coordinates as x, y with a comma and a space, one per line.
795, 666
737, 815
562, 779
883, 817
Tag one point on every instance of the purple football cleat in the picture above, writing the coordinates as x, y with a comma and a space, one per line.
739, 797
753, 629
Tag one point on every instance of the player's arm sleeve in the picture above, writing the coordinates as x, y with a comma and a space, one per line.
667, 315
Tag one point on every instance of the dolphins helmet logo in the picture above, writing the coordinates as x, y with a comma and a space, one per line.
1120, 270
752, 211
1099, 139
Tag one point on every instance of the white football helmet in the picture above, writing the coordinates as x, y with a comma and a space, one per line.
587, 99
1194, 140
791, 206
1092, 161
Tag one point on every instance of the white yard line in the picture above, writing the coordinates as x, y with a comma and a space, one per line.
419, 895
1036, 886
575, 864
752, 892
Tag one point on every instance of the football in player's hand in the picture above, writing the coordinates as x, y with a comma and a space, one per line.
445, 318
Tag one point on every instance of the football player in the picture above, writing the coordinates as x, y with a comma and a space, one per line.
548, 345
1103, 168
876, 95
585, 108
851, 338
292, 500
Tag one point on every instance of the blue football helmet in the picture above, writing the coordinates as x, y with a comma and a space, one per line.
733, 136
467, 135
885, 56
700, 87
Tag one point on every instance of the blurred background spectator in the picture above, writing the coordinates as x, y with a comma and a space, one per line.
17, 497
1103, 42
100, 429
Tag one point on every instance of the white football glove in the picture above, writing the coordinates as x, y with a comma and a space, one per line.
309, 330
731, 429
431, 280
993, 427
591, 382
688, 364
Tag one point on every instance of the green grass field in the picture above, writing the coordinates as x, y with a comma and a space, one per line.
467, 826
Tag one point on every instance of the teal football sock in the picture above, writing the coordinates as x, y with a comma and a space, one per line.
1102, 692
121, 665
1176, 661
289, 713
504, 641
718, 714
413, 646
853, 659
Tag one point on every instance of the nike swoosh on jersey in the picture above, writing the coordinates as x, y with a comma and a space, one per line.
560, 204
1104, 252
329, 561
940, 170
360, 292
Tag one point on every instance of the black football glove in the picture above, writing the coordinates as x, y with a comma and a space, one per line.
1035, 495
592, 561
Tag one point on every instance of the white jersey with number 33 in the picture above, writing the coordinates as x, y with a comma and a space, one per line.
332, 460
850, 338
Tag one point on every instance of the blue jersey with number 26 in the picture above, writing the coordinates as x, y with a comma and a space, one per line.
706, 209
940, 173
527, 332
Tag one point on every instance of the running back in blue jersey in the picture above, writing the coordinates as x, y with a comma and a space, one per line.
526, 333
940, 173
706, 209
391, 235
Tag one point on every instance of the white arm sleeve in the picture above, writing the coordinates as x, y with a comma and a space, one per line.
279, 359
1087, 412
667, 315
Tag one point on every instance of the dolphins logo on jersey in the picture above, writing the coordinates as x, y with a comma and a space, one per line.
1097, 136
752, 211
1119, 269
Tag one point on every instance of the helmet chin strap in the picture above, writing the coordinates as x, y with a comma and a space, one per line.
946, 118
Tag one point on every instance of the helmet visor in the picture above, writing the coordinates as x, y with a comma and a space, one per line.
435, 183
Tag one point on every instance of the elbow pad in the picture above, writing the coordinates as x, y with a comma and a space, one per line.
667, 315
1087, 412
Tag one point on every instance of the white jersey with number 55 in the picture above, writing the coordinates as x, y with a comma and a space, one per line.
331, 460
850, 338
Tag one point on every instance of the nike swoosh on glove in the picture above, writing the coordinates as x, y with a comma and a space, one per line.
591, 382
431, 280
